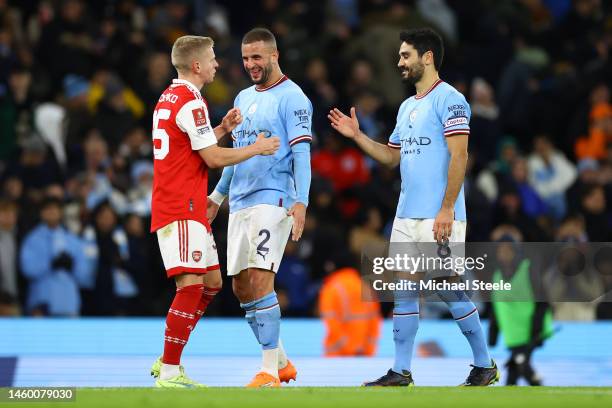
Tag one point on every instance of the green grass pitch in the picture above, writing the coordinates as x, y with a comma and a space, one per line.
319, 397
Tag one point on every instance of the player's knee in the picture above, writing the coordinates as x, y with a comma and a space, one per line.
241, 291
188, 279
261, 283
214, 280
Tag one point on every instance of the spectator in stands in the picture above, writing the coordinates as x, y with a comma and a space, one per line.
67, 44
98, 173
509, 210
551, 174
16, 104
589, 173
360, 80
79, 116
345, 166
594, 146
35, 167
53, 260
112, 289
596, 218
480, 209
135, 145
9, 245
321, 92
498, 172
118, 110
368, 105
158, 76
139, 196
484, 124
140, 263
573, 285
531, 202
367, 231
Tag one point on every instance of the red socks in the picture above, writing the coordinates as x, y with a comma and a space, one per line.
190, 303
207, 297
180, 321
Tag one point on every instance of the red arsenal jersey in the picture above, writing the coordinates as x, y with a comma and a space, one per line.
181, 127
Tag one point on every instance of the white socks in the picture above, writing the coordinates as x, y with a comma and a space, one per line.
169, 371
282, 356
270, 362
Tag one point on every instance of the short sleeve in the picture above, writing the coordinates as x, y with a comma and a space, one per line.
298, 118
236, 105
394, 139
193, 119
455, 115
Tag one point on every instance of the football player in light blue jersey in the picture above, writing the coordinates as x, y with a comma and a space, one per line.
429, 143
268, 198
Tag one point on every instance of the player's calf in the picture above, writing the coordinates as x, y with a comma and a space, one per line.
212, 286
179, 323
267, 316
466, 316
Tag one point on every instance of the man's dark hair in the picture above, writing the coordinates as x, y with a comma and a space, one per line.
423, 40
51, 201
259, 34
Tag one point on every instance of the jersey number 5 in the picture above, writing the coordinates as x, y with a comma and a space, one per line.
161, 148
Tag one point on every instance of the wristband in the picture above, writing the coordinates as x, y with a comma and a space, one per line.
217, 198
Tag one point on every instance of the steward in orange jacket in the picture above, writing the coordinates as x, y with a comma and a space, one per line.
353, 325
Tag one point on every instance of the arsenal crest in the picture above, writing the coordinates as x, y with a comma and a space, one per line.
196, 255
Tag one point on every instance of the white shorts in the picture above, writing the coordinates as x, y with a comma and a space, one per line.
256, 238
421, 230
187, 247
414, 237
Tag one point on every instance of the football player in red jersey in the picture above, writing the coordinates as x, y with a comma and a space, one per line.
184, 147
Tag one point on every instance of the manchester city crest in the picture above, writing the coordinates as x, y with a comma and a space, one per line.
413, 116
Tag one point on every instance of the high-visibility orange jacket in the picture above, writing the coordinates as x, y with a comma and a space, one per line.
595, 145
353, 325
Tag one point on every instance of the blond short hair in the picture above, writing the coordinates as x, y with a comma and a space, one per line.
185, 48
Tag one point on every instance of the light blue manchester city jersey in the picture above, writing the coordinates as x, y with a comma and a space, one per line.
423, 124
281, 110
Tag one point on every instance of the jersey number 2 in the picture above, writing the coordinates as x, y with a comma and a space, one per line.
161, 150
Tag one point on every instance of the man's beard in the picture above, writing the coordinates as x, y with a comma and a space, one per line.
265, 75
415, 73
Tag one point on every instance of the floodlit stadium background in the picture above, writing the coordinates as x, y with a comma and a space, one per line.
78, 81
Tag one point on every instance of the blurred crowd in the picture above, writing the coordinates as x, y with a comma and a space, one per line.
79, 80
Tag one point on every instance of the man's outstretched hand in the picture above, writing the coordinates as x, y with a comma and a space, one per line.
346, 126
